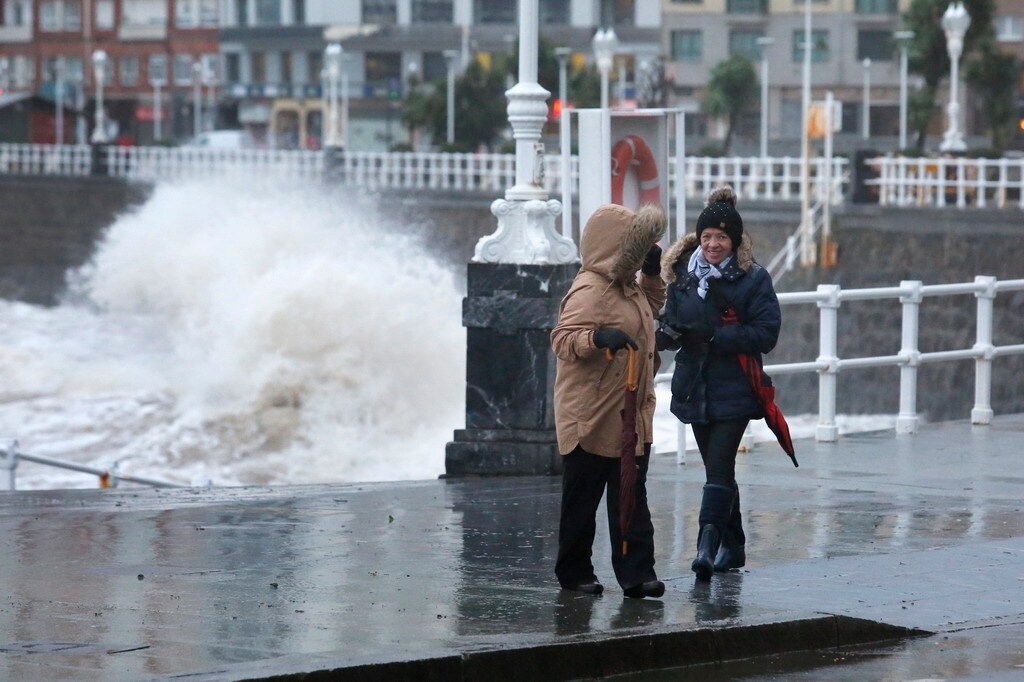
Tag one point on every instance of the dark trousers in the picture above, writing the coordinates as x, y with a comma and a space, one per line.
584, 479
718, 443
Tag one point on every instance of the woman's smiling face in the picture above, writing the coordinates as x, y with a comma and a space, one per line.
716, 245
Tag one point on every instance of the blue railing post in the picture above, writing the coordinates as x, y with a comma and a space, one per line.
8, 464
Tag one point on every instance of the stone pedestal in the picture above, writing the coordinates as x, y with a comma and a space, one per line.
508, 313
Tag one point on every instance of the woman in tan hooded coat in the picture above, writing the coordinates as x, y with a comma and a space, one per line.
607, 308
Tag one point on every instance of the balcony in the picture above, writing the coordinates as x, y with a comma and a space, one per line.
154, 31
15, 34
747, 6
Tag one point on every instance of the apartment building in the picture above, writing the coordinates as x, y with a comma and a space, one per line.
273, 53
44, 43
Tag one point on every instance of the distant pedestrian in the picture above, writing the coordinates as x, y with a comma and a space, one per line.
608, 308
710, 271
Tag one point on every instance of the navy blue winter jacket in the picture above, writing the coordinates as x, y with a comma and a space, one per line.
708, 385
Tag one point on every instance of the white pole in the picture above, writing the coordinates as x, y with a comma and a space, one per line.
826, 206
680, 176
807, 252
197, 98
866, 123
906, 421
59, 99
904, 38
828, 352
764, 43
157, 113
982, 411
450, 120
345, 137
99, 62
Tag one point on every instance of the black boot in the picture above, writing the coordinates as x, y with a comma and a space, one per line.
732, 553
715, 508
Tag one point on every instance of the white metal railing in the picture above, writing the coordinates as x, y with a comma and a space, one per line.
939, 182
828, 364
752, 177
45, 159
109, 477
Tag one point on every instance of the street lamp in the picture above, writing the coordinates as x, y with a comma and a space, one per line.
210, 81
99, 65
157, 80
563, 54
450, 56
197, 98
332, 59
605, 43
764, 43
866, 111
955, 22
903, 39
807, 247
58, 98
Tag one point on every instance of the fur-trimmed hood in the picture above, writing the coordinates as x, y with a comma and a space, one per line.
681, 251
616, 240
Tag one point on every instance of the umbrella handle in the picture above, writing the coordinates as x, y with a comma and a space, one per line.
632, 374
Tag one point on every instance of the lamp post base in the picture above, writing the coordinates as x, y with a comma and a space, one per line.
509, 312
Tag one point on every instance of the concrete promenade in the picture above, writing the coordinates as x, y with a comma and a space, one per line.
876, 537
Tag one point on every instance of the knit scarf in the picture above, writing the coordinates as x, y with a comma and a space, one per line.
704, 270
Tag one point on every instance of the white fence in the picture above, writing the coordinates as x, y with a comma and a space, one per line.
939, 182
753, 177
830, 297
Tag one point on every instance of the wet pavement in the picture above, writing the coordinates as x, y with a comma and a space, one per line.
453, 578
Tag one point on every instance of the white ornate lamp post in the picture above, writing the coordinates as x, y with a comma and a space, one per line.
955, 22
764, 43
157, 80
563, 54
514, 284
450, 56
197, 98
903, 39
605, 43
99, 65
332, 59
866, 111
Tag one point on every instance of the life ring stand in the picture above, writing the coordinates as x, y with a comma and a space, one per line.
632, 151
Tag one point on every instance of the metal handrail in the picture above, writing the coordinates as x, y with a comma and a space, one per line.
829, 299
109, 477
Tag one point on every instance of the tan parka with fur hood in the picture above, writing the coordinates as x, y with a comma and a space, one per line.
589, 389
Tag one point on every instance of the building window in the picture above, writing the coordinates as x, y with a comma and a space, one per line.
233, 67
876, 6
745, 43
182, 69
383, 71
819, 41
618, 12
60, 15
495, 11
128, 71
1010, 29
299, 12
104, 15
14, 12
380, 11
315, 64
241, 13
286, 67
747, 7
157, 69
878, 46
268, 12
144, 13
257, 67
196, 13
432, 11
687, 46
554, 12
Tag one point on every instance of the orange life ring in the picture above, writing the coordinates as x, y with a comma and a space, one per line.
632, 151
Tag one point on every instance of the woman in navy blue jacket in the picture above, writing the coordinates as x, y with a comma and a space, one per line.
709, 271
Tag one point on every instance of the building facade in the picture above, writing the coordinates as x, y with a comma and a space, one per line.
47, 47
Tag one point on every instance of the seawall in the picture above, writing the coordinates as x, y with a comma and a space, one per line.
48, 225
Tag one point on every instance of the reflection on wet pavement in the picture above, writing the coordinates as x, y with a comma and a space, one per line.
123, 584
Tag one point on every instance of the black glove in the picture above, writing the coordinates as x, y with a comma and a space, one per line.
613, 339
652, 262
663, 341
695, 337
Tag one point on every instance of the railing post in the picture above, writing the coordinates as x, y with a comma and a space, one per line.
8, 464
982, 412
828, 353
906, 421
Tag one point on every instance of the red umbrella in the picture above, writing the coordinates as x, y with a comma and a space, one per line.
765, 393
627, 463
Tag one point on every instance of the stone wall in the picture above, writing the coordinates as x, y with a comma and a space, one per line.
48, 225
